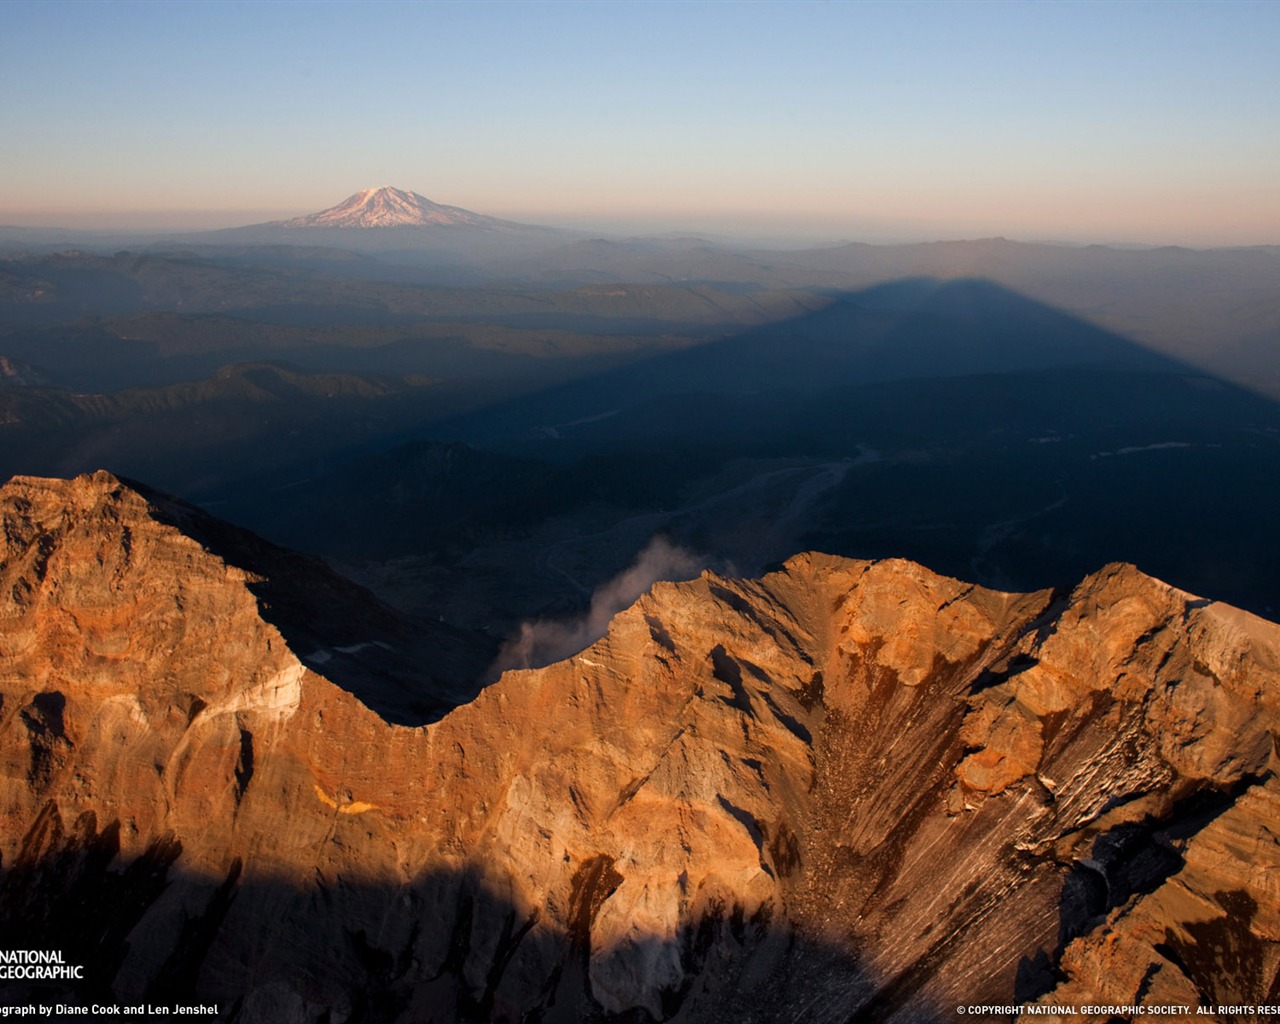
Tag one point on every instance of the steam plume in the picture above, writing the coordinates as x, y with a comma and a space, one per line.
543, 642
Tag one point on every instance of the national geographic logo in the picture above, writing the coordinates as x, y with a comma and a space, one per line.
37, 965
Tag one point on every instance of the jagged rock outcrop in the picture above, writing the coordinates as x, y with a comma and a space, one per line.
846, 791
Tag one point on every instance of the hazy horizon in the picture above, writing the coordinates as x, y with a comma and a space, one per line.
158, 224
1141, 123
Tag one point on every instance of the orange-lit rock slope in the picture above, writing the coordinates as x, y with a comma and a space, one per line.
847, 791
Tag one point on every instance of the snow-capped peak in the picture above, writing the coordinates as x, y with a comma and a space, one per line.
386, 207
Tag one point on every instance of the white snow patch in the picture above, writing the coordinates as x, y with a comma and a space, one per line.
357, 648
1152, 447
1131, 449
590, 419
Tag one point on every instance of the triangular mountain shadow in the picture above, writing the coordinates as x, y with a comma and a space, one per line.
993, 436
908, 329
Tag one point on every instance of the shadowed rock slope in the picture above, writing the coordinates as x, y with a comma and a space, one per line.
848, 791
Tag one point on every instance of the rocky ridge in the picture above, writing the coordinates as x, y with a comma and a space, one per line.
848, 791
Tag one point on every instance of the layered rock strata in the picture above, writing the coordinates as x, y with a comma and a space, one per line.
846, 791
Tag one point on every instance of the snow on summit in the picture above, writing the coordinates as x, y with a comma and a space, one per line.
387, 208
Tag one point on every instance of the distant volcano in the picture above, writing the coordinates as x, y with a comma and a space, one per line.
388, 208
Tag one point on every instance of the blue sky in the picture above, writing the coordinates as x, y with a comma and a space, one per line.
1129, 121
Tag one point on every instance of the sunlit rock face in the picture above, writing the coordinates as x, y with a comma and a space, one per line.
846, 791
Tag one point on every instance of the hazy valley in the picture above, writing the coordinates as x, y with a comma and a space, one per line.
1014, 414
298, 789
